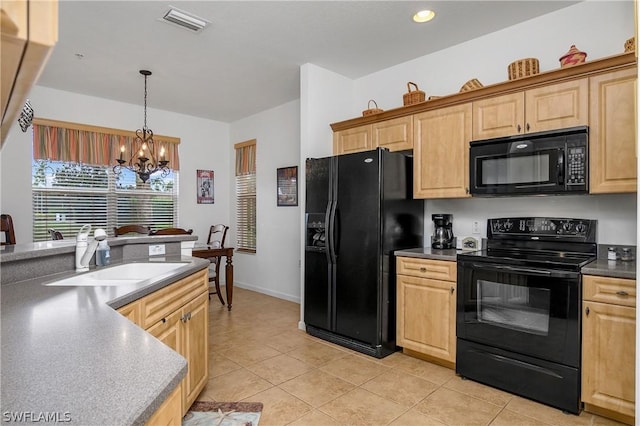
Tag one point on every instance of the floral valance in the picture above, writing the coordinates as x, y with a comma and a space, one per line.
63, 141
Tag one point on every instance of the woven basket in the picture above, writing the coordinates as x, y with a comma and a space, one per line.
523, 68
630, 45
413, 96
572, 57
370, 110
472, 84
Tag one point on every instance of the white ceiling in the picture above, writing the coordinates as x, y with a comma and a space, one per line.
247, 60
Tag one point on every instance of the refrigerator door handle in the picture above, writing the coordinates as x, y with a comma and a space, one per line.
327, 231
331, 231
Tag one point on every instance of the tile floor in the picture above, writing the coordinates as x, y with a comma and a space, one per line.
257, 353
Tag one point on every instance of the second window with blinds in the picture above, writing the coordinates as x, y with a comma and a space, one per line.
246, 195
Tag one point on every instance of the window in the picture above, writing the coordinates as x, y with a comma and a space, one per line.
68, 194
246, 195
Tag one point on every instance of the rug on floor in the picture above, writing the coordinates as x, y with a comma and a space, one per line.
211, 413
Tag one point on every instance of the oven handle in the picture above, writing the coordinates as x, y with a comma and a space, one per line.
527, 271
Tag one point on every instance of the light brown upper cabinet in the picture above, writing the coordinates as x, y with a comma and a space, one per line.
555, 106
396, 134
612, 132
356, 139
441, 152
29, 30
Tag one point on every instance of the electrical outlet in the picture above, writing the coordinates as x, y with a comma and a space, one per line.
475, 227
156, 249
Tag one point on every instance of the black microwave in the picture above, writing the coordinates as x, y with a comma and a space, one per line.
551, 162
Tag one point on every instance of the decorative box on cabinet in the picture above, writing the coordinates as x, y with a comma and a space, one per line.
29, 30
441, 152
178, 316
426, 309
609, 347
612, 132
549, 107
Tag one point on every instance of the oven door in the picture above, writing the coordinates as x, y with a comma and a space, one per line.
531, 311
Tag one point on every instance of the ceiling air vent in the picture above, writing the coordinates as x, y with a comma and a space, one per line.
185, 20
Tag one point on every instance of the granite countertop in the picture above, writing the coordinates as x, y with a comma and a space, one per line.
68, 355
429, 253
611, 268
10, 253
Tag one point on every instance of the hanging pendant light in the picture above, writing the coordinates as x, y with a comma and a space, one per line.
144, 162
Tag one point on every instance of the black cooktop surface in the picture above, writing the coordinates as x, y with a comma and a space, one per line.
532, 258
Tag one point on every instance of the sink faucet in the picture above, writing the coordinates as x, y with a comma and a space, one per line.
85, 250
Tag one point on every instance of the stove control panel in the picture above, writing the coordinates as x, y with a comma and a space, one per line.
542, 228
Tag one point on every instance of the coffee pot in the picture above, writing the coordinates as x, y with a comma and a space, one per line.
442, 231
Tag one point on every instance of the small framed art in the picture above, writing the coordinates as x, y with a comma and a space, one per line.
205, 186
287, 182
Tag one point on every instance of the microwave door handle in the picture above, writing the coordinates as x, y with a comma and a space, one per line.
560, 167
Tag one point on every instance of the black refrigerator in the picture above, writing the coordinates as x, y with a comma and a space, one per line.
359, 209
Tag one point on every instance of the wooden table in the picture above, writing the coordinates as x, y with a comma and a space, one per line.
227, 252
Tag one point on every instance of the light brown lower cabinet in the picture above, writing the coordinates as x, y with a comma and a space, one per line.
426, 309
169, 413
178, 316
608, 347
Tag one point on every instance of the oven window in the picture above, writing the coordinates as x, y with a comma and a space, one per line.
514, 170
513, 306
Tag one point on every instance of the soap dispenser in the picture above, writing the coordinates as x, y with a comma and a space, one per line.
103, 254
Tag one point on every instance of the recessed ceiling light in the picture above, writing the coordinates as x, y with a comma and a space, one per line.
424, 16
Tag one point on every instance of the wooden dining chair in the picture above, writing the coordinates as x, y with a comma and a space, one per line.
131, 229
55, 235
6, 227
217, 235
172, 231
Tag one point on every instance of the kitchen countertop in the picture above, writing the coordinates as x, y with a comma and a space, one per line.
429, 253
601, 266
68, 355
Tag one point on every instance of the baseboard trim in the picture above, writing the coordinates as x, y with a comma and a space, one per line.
279, 295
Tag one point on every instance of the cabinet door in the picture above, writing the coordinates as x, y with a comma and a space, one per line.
608, 357
195, 340
352, 140
612, 132
132, 312
169, 413
557, 106
498, 116
396, 134
427, 316
441, 152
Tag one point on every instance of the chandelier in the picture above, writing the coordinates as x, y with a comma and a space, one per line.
144, 162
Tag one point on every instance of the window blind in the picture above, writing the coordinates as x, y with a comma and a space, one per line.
246, 211
67, 193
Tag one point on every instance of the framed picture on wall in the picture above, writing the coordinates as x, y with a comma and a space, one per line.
205, 186
287, 182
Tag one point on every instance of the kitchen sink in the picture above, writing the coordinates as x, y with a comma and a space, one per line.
130, 273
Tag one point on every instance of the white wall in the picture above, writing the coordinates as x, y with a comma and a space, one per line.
599, 28
204, 145
547, 38
274, 268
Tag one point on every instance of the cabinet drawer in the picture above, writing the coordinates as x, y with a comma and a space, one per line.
617, 291
158, 305
427, 268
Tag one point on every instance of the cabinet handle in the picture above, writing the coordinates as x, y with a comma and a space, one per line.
466, 190
185, 317
452, 290
164, 320
528, 127
423, 269
586, 311
622, 293
519, 128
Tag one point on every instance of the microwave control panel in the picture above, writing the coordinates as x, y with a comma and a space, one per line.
576, 165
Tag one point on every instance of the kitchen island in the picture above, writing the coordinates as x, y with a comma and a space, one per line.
68, 356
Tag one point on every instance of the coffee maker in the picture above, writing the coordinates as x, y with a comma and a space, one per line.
442, 231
